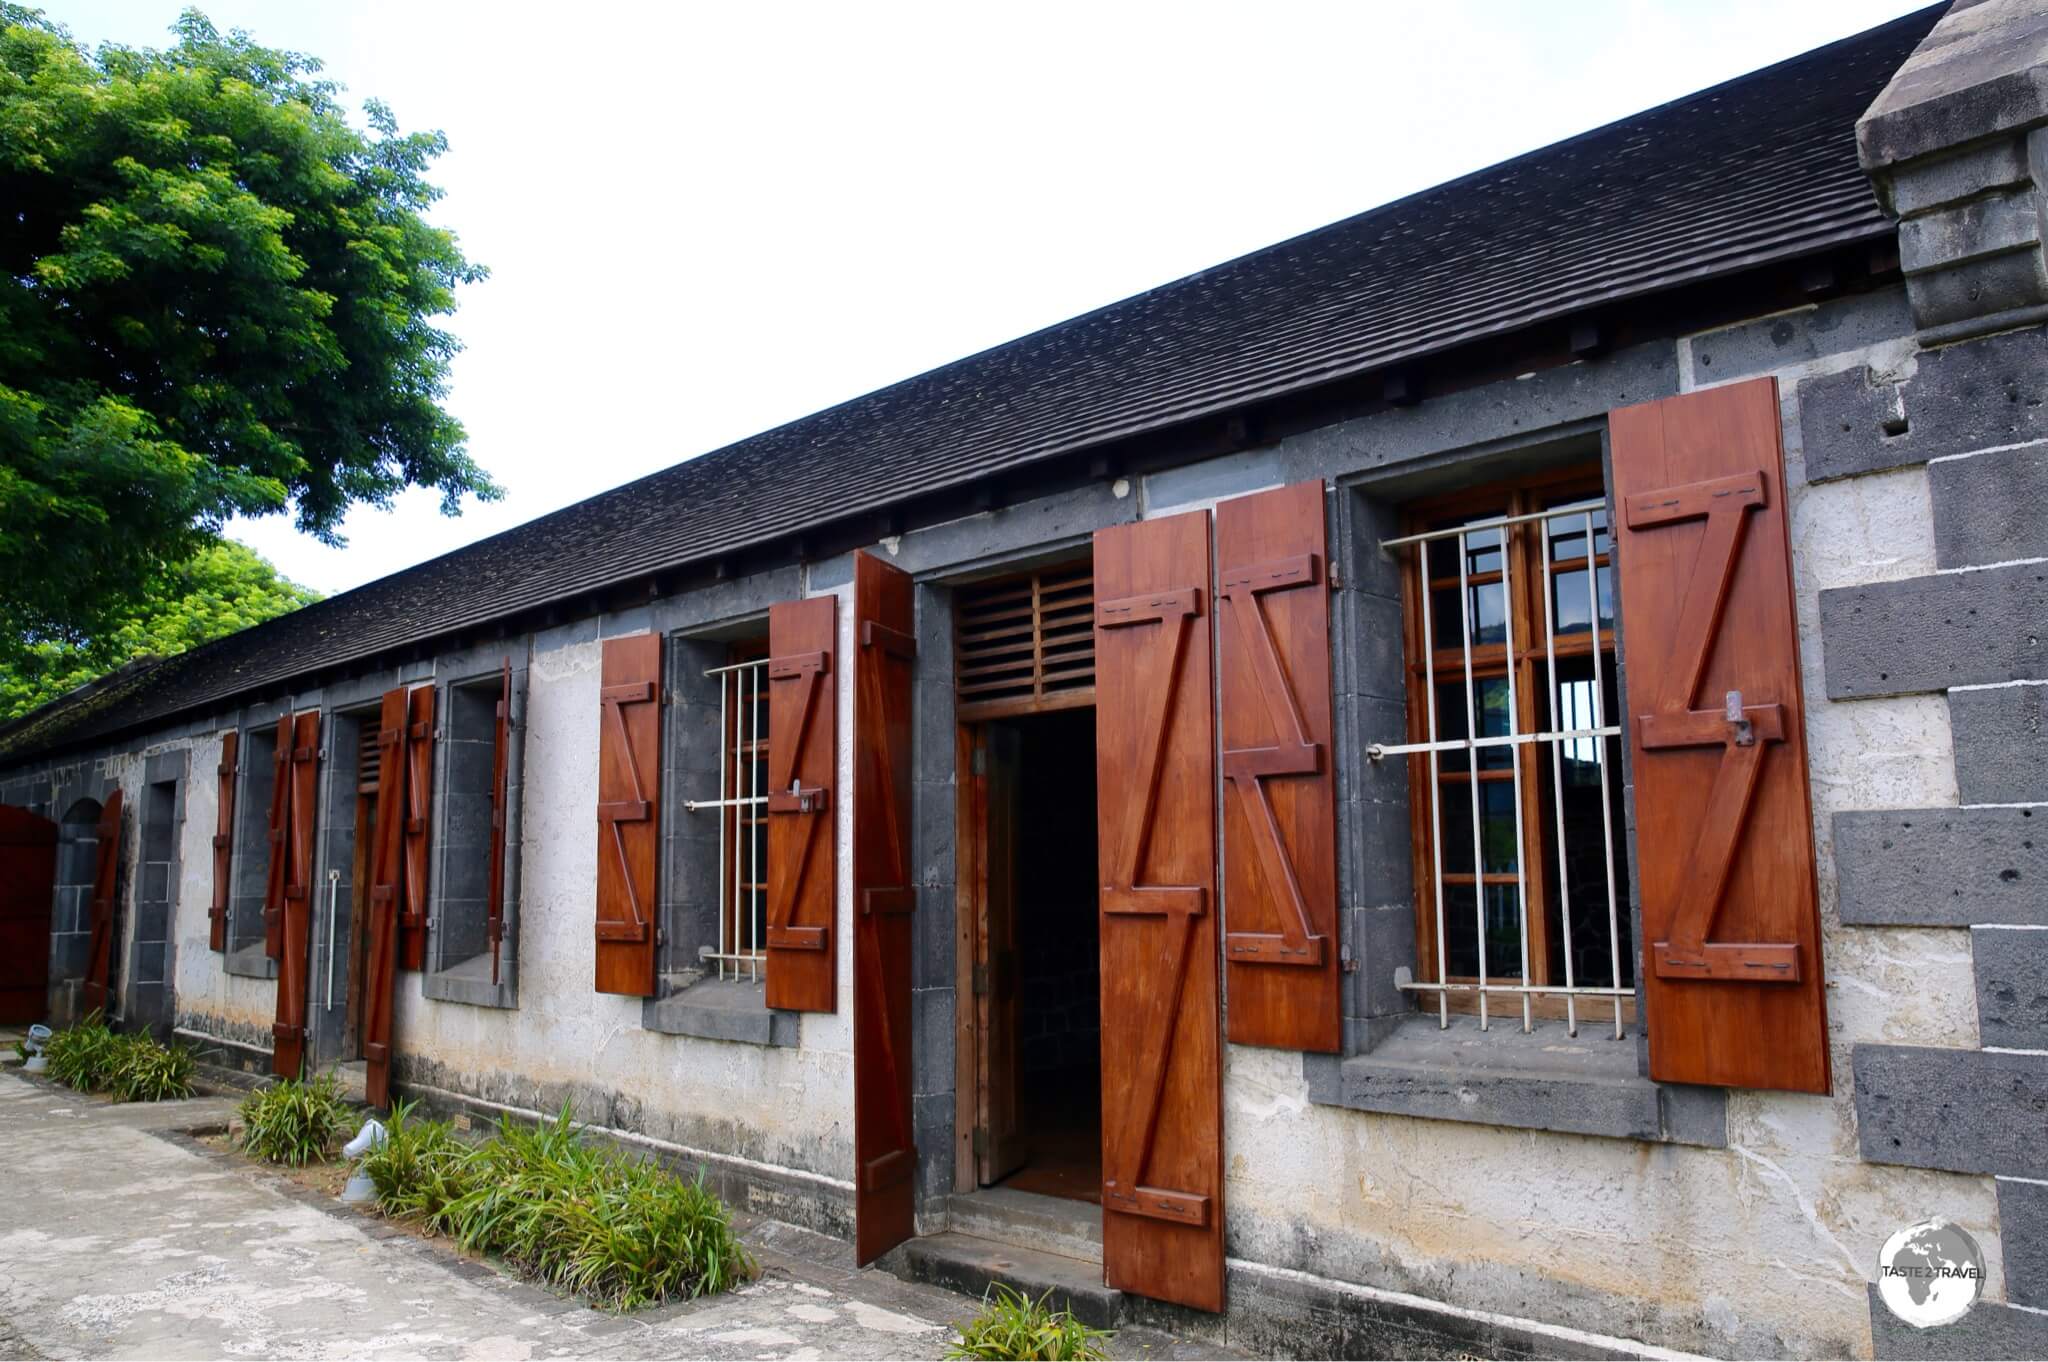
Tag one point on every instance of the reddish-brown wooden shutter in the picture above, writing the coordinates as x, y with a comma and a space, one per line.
223, 842
501, 748
628, 813
294, 963
280, 833
419, 790
1724, 820
803, 734
387, 879
1279, 795
884, 896
1162, 1107
106, 880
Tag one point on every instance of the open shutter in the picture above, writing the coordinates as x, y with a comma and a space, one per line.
885, 1192
501, 749
628, 813
1280, 794
419, 790
387, 854
803, 734
106, 879
1155, 737
223, 842
294, 963
1724, 820
280, 833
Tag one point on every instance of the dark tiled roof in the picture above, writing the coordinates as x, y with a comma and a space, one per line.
1759, 169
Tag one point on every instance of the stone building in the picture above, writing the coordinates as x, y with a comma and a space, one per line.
1472, 781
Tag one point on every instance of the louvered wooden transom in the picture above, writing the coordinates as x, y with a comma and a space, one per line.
1027, 643
369, 759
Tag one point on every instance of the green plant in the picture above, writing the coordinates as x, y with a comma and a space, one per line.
86, 1055
21, 1048
145, 1071
622, 1232
420, 1167
1015, 1326
292, 1122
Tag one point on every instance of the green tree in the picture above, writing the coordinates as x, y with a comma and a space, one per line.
216, 297
223, 587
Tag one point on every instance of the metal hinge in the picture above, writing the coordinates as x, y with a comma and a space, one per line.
981, 1142
980, 765
981, 981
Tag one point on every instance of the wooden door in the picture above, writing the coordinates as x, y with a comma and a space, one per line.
1162, 1106
1280, 796
418, 806
387, 882
1724, 819
1001, 1148
884, 899
301, 769
98, 989
28, 886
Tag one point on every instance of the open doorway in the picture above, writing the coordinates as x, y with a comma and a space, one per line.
1038, 975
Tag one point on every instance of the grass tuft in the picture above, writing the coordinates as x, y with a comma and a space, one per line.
421, 1166
1015, 1326
294, 1123
148, 1072
84, 1056
619, 1231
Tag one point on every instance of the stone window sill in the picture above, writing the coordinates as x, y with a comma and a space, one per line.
469, 981
1546, 1080
250, 961
721, 1009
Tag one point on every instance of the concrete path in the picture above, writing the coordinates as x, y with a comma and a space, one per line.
120, 1237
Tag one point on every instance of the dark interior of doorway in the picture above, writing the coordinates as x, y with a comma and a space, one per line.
1047, 764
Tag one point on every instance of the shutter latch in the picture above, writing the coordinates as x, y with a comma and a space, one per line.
1745, 734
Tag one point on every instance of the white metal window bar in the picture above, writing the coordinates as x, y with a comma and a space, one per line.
1577, 738
742, 819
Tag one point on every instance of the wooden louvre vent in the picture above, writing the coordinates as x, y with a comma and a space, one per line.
369, 758
1026, 644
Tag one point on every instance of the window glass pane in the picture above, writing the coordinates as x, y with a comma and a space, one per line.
1578, 874
1496, 825
1572, 609
1485, 605
1489, 699
1503, 934
1568, 534
1482, 551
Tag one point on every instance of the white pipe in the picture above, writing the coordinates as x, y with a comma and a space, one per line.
333, 882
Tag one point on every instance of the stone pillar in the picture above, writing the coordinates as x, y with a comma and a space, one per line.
1957, 147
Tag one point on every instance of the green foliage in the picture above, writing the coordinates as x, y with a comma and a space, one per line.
216, 298
221, 588
622, 1232
93, 1057
420, 1167
86, 1055
292, 1122
1015, 1326
149, 1072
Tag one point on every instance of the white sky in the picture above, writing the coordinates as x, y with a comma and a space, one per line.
705, 220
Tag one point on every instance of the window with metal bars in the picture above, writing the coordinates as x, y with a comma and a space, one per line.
1025, 644
741, 807
1514, 755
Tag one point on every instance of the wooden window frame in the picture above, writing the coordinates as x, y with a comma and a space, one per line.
1525, 613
